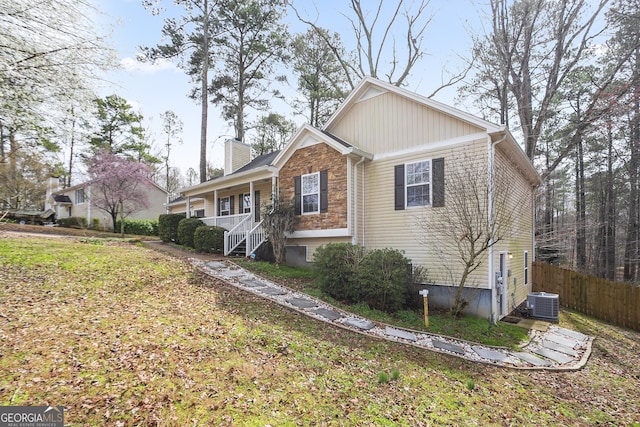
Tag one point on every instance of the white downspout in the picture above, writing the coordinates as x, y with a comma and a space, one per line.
490, 213
354, 240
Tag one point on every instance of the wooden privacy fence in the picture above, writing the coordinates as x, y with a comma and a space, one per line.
613, 302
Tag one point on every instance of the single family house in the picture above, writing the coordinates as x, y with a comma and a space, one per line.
75, 202
394, 169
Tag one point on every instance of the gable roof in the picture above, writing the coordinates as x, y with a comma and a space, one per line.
263, 160
370, 87
307, 135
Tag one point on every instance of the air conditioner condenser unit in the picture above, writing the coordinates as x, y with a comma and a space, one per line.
543, 305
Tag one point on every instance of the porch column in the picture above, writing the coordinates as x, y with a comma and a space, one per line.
215, 203
188, 206
251, 204
274, 187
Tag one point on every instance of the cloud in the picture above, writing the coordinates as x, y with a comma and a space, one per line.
132, 64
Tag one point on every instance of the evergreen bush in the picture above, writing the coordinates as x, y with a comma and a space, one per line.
384, 276
337, 265
168, 227
209, 238
139, 227
379, 278
72, 222
186, 229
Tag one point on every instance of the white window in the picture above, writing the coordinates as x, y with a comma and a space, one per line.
418, 183
246, 203
526, 267
225, 206
80, 196
311, 193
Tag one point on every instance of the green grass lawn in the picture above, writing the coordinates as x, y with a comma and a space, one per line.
121, 335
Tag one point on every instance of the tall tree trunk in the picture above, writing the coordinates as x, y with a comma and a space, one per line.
631, 246
581, 240
204, 96
610, 220
67, 182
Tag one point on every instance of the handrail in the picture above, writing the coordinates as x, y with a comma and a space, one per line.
255, 238
236, 235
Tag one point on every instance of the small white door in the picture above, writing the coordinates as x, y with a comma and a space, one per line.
502, 285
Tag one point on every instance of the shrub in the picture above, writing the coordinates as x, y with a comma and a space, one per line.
186, 230
72, 222
209, 238
95, 223
140, 227
383, 278
379, 278
337, 265
168, 227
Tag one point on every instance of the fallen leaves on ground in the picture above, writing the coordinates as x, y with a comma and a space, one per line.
122, 335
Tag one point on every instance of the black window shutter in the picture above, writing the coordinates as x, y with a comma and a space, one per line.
399, 187
218, 213
256, 205
324, 191
240, 203
231, 205
437, 166
297, 185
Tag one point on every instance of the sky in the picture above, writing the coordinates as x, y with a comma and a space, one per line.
154, 89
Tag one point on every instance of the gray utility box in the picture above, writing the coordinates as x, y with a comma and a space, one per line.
543, 305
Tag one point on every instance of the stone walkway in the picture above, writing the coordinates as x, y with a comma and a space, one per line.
553, 348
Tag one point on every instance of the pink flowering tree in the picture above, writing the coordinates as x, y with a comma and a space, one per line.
118, 186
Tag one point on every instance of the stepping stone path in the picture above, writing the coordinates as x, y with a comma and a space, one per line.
443, 345
329, 314
551, 347
399, 333
302, 303
532, 359
360, 324
490, 354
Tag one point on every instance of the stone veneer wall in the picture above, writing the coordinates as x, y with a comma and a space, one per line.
312, 159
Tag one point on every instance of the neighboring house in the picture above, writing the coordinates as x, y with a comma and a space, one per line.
386, 158
75, 201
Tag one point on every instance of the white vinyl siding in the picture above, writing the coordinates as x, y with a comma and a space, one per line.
393, 123
385, 227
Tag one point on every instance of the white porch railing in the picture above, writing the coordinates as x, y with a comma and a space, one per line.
237, 234
227, 221
253, 237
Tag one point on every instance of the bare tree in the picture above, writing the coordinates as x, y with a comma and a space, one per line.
172, 127
480, 211
279, 217
388, 40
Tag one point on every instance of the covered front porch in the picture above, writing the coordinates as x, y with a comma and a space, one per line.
235, 207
